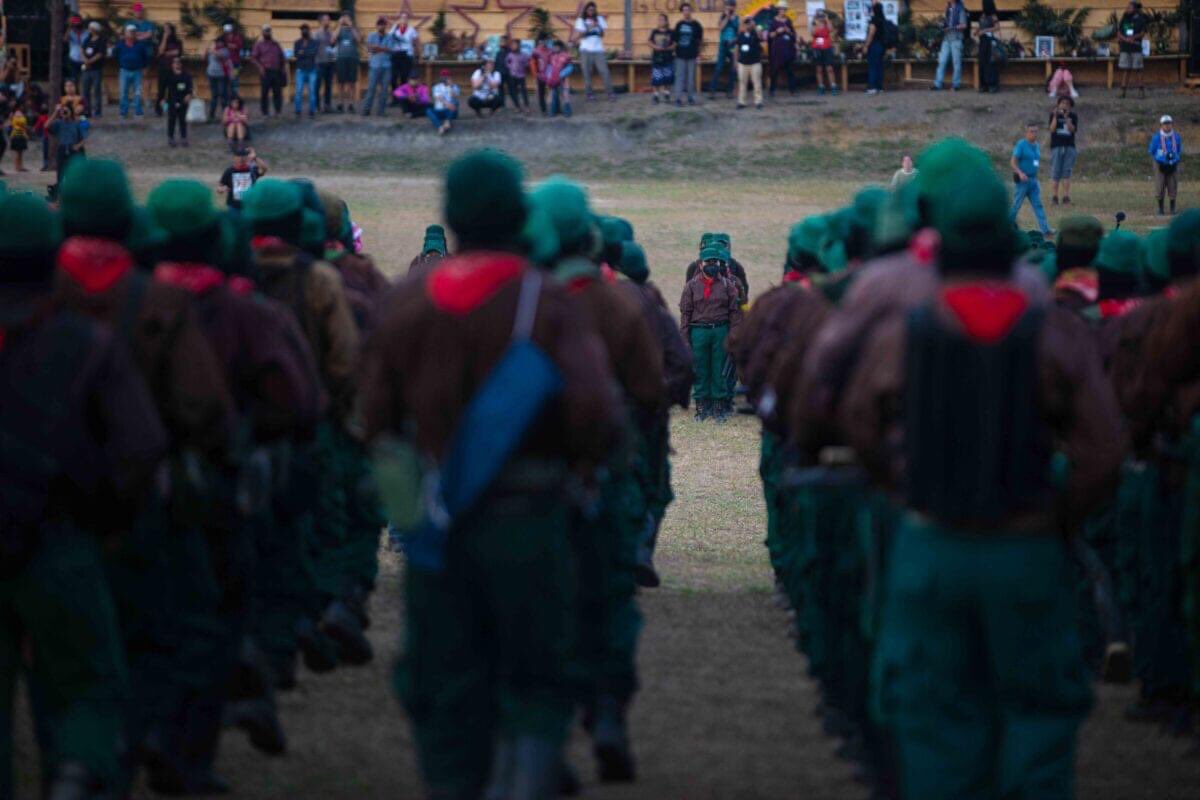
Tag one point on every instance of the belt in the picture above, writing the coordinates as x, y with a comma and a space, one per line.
709, 325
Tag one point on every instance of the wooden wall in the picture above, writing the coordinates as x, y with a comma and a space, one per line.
491, 17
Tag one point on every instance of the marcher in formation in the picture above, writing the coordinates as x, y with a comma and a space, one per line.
954, 414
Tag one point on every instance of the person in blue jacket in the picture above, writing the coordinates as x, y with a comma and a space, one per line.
133, 56
1166, 148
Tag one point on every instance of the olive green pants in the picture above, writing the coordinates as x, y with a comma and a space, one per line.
978, 671
60, 603
488, 641
708, 361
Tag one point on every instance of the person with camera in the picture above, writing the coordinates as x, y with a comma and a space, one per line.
991, 49
1063, 126
1166, 148
589, 32
69, 134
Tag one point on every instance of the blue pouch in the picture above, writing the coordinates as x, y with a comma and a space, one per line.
492, 427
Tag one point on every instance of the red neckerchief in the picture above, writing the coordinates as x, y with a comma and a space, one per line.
577, 285
241, 285
708, 284
987, 310
1080, 280
608, 274
95, 264
796, 276
193, 278
1111, 308
2, 335
462, 284
263, 242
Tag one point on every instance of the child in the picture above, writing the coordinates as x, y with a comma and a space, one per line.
558, 70
18, 139
518, 67
541, 57
1062, 84
236, 122
39, 130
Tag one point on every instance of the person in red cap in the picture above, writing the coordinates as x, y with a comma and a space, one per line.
73, 39
143, 28
445, 103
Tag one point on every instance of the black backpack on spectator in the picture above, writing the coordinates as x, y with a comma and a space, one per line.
891, 35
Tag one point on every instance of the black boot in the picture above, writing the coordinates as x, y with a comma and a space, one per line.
260, 722
501, 774
1160, 208
320, 652
569, 784
341, 624
610, 742
644, 573
1172, 208
71, 781
702, 410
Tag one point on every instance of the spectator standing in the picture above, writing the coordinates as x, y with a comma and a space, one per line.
518, 69
235, 43
729, 25
991, 49
142, 27
781, 47
1062, 83
305, 52
589, 32
905, 174
876, 47
236, 122
69, 136
1064, 124
485, 88
169, 49
445, 104
73, 38
217, 69
267, 55
821, 34
404, 57
92, 82
179, 92
380, 46
413, 96
662, 60
557, 77
39, 130
18, 135
132, 56
326, 58
749, 68
1131, 30
501, 56
346, 43
236, 180
541, 58
1166, 148
1025, 161
689, 37
954, 25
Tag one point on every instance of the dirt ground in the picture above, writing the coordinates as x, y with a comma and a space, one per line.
726, 709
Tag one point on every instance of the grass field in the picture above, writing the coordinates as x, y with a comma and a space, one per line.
726, 708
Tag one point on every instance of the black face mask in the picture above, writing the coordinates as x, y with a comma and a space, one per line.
712, 270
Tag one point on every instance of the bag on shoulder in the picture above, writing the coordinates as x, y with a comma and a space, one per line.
891, 35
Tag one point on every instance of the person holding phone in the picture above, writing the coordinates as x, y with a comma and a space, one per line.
1064, 123
70, 136
589, 32
1166, 148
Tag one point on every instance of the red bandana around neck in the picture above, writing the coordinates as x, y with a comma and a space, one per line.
1118, 308
263, 242
708, 284
95, 264
987, 310
194, 278
797, 277
462, 284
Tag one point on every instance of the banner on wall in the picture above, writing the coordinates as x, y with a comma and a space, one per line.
858, 17
811, 7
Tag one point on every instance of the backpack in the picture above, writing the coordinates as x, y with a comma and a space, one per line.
891, 35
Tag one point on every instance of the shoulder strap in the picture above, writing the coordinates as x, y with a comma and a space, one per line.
527, 305
133, 304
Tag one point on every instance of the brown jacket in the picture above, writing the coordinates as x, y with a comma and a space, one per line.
427, 360
1076, 402
678, 373
313, 291
164, 336
633, 354
721, 305
364, 285
273, 381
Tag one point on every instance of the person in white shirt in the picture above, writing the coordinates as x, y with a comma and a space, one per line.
445, 104
404, 57
590, 28
485, 88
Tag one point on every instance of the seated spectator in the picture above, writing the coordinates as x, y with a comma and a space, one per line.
1062, 83
445, 104
413, 96
557, 72
236, 122
486, 85
71, 97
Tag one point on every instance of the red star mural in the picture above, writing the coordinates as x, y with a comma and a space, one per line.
462, 10
569, 20
416, 19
